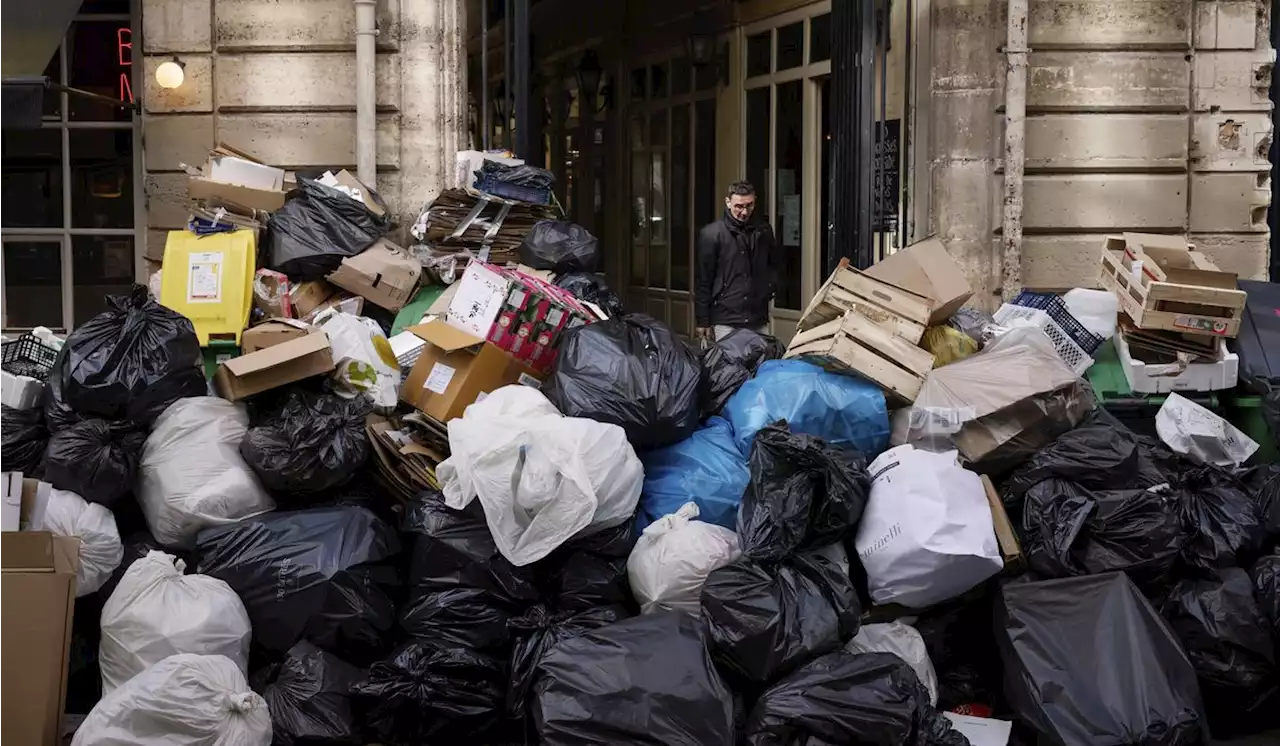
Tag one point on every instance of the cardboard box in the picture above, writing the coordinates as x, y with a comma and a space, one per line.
346, 182
455, 368
271, 333
927, 269
236, 179
383, 274
38, 597
478, 299
1010, 550
20, 392
342, 300
308, 296
287, 362
35, 501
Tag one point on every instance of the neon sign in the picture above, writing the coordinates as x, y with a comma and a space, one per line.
124, 56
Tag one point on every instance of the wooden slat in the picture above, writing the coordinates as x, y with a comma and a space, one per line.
897, 349
867, 363
821, 331
1197, 294
905, 303
899, 325
845, 352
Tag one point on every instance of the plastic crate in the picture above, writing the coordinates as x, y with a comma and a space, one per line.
1071, 353
516, 192
1061, 315
1135, 411
28, 356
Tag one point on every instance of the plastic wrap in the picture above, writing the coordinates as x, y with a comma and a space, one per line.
310, 236
560, 246
673, 558
705, 468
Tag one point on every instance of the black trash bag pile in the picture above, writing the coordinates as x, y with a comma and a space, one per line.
1088, 661
129, 362
319, 227
589, 287
730, 361
96, 459
23, 439
325, 575
1226, 527
630, 371
644, 680
560, 246
316, 443
846, 697
58, 415
789, 598
1229, 641
309, 695
957, 636
1266, 591
1263, 483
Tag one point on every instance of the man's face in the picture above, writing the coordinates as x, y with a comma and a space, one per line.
741, 205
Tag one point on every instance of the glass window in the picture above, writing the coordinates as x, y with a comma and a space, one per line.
758, 146
658, 128
759, 53
820, 38
100, 60
681, 76
636, 133
681, 230
706, 77
658, 81
791, 46
789, 157
33, 284
32, 179
102, 266
639, 215
52, 100
658, 202
706, 195
639, 84
102, 178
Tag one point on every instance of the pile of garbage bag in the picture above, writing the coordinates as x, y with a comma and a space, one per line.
560, 246
706, 468
315, 444
310, 236
731, 360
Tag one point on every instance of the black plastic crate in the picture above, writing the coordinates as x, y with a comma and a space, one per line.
1058, 311
28, 356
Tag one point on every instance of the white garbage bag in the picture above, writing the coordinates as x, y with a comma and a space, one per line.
927, 534
364, 362
673, 557
156, 612
192, 476
903, 641
184, 700
68, 514
541, 478
1096, 310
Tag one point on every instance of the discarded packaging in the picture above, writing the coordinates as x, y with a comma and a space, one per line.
383, 274
271, 333
673, 558
275, 366
1194, 431
455, 368
312, 233
364, 364
927, 268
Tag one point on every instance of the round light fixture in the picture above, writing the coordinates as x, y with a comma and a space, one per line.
170, 74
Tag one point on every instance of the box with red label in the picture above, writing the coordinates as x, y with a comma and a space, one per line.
531, 317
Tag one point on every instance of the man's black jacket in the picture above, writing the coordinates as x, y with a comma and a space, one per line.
736, 273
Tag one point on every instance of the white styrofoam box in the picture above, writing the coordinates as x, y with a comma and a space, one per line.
20, 392
1152, 378
11, 508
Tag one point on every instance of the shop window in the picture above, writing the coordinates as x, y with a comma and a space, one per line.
788, 224
101, 178
820, 38
33, 283
102, 266
791, 46
759, 54
32, 178
681, 233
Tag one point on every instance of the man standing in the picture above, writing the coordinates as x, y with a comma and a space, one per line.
736, 271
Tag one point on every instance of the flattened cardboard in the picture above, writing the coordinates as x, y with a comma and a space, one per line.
1010, 550
37, 599
927, 269
348, 180
285, 363
271, 333
199, 187
383, 274
454, 369
308, 296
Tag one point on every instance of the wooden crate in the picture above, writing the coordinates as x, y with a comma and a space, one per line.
855, 344
1179, 289
901, 311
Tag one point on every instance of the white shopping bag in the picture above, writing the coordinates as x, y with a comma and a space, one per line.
68, 514
673, 557
364, 362
927, 534
1193, 431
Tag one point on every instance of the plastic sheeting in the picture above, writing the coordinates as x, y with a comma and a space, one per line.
192, 476
644, 680
96, 459
23, 440
310, 236
540, 477
842, 410
156, 611
673, 558
67, 514
903, 641
630, 371
560, 246
1088, 661
731, 360
705, 468
309, 696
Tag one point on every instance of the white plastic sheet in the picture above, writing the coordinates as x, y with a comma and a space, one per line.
927, 534
903, 641
156, 612
1193, 431
68, 514
541, 477
1095, 309
363, 360
192, 476
673, 557
184, 700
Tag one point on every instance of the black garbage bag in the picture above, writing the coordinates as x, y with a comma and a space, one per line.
560, 246
1263, 484
1229, 642
23, 440
644, 680
1266, 591
309, 695
95, 459
325, 575
957, 636
846, 697
1070, 530
319, 227
631, 371
1226, 527
1088, 661
315, 444
789, 598
730, 361
58, 415
589, 287
131, 361
428, 692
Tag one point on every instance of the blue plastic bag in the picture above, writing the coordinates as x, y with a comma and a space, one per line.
842, 410
706, 468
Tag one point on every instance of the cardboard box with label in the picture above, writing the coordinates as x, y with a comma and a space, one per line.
308, 296
383, 274
455, 368
275, 366
236, 179
271, 333
38, 597
925, 268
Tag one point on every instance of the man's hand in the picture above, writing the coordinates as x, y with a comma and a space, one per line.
703, 336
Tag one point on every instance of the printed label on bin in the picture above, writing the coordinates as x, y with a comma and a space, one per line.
438, 379
204, 277
527, 380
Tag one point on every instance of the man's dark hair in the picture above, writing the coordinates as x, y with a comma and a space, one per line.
741, 188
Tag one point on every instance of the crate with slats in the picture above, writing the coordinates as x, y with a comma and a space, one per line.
900, 311
854, 344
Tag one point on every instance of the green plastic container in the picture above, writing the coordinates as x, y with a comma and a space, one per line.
1245, 412
217, 352
1136, 411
